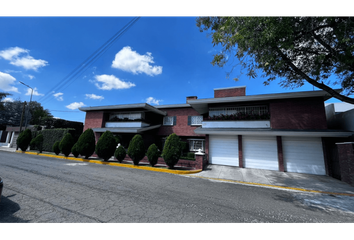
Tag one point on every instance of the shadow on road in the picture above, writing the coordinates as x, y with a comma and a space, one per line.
7, 209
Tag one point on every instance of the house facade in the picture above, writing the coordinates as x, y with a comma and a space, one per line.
282, 132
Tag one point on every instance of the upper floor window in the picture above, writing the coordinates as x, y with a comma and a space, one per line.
195, 120
127, 115
257, 110
169, 120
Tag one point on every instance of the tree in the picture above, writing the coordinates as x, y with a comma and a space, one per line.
11, 115
38, 113
120, 153
172, 150
136, 149
24, 139
74, 150
56, 148
86, 143
2, 95
319, 50
66, 144
153, 154
37, 142
106, 146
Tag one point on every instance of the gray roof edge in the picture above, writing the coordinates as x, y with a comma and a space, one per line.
174, 105
303, 94
123, 106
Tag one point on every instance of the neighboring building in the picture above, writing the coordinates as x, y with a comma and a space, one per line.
284, 132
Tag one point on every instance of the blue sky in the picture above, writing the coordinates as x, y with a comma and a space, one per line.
159, 60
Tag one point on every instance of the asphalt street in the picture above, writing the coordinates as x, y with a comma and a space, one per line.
40, 189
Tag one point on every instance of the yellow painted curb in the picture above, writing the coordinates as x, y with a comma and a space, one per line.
275, 186
116, 164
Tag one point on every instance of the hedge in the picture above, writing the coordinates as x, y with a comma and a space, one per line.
50, 136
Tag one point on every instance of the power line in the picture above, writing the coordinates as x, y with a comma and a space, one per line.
70, 78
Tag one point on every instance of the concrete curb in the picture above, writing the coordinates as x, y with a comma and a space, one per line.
275, 186
115, 164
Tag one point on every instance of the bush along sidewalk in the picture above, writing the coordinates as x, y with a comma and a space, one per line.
153, 154
66, 144
37, 142
120, 153
172, 150
136, 149
56, 148
24, 139
86, 143
106, 146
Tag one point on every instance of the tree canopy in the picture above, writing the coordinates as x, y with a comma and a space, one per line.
319, 50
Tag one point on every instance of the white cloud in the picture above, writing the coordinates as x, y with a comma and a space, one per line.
75, 105
26, 61
5, 82
94, 96
11, 53
58, 96
8, 99
111, 82
30, 76
131, 61
35, 92
151, 100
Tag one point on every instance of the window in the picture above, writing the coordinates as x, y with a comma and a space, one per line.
196, 144
130, 115
234, 110
169, 120
195, 120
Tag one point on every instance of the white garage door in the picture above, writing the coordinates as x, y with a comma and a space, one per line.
223, 150
303, 155
260, 152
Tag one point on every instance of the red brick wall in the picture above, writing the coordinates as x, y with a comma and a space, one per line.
181, 128
346, 162
94, 119
231, 92
304, 113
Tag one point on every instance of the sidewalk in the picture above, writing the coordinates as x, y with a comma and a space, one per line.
6, 149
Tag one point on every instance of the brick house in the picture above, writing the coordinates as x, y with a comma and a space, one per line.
283, 132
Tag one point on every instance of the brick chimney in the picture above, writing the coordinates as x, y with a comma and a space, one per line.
191, 98
230, 92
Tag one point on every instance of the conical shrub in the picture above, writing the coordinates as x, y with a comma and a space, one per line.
24, 139
66, 144
136, 149
74, 150
153, 154
106, 146
56, 148
120, 153
86, 143
172, 150
38, 142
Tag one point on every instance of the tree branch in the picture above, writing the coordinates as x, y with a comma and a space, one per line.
322, 86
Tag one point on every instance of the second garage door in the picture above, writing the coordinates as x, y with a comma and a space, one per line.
260, 152
223, 150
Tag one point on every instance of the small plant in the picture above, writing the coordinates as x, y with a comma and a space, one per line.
120, 153
56, 148
74, 150
24, 139
66, 144
37, 142
106, 146
136, 149
172, 150
153, 154
86, 143
191, 155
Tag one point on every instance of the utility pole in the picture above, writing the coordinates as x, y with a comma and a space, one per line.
23, 110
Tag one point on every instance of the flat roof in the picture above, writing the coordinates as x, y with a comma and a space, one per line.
201, 105
135, 107
126, 130
273, 132
173, 105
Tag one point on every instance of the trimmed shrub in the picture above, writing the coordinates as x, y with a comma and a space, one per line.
86, 143
37, 142
24, 139
117, 140
191, 155
153, 154
120, 153
172, 150
66, 144
74, 150
136, 149
56, 148
106, 146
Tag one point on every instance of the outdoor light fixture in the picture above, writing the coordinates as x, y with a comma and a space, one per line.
28, 104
